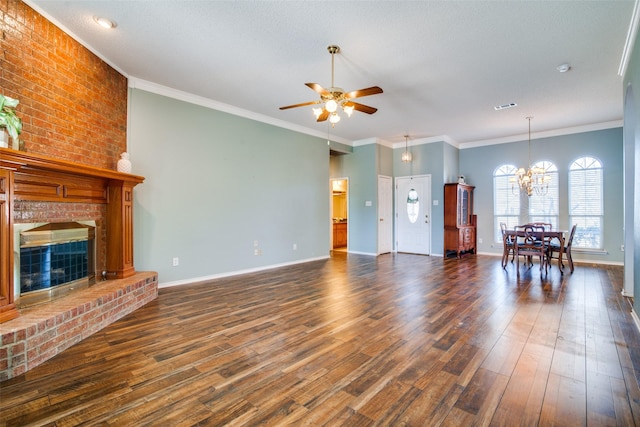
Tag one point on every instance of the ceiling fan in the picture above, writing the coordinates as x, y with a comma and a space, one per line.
335, 97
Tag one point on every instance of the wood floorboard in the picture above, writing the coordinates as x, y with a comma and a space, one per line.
354, 340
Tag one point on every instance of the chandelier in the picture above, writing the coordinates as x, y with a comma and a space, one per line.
532, 180
406, 156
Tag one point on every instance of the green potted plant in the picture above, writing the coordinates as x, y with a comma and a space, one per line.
9, 120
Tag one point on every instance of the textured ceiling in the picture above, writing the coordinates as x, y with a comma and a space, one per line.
443, 65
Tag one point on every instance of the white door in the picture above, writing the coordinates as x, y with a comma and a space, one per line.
385, 215
413, 214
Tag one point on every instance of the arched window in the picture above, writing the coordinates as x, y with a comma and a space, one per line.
586, 208
506, 203
544, 207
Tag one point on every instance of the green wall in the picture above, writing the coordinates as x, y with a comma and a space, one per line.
478, 165
429, 159
631, 85
215, 183
361, 169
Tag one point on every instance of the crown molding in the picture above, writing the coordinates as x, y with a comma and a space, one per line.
136, 83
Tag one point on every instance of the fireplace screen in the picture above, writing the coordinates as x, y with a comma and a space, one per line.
43, 267
54, 259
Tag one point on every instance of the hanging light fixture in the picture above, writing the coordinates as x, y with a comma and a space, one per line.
532, 180
406, 156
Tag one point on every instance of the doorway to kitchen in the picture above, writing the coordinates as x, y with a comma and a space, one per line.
339, 214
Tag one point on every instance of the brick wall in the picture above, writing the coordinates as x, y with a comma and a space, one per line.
73, 105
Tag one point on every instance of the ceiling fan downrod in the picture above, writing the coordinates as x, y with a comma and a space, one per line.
333, 49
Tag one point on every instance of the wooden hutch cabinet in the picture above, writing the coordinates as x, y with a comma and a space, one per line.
459, 220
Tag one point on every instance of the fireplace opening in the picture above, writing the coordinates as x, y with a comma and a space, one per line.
55, 260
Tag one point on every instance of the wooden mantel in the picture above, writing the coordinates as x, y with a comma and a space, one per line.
32, 177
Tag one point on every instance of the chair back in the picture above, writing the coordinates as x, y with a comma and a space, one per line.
531, 234
570, 239
503, 231
503, 228
545, 226
531, 242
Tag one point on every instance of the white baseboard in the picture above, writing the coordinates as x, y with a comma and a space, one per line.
235, 273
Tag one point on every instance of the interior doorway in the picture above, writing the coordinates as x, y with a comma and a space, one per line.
385, 215
339, 214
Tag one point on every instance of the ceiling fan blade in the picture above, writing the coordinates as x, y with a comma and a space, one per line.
300, 105
324, 116
319, 89
373, 90
363, 108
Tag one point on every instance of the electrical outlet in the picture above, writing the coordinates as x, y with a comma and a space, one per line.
176, 262
621, 248
255, 243
480, 240
256, 251
295, 246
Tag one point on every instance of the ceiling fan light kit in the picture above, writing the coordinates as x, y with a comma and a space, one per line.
336, 99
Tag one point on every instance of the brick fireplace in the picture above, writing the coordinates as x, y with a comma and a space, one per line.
31, 335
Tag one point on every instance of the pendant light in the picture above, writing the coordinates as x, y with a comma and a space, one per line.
406, 156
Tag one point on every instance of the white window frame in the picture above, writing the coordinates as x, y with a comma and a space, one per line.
506, 200
586, 202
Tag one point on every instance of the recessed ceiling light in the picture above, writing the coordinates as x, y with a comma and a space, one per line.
563, 68
104, 22
504, 106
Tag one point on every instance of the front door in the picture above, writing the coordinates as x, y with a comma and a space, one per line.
413, 214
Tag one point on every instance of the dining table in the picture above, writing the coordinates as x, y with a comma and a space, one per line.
511, 236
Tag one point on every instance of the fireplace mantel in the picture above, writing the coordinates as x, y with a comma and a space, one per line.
32, 177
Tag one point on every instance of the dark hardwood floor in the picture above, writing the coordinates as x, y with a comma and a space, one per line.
395, 340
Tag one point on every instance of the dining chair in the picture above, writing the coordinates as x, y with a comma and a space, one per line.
519, 240
531, 244
507, 245
545, 225
540, 227
554, 248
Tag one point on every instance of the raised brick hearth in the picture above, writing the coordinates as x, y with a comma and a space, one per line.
45, 330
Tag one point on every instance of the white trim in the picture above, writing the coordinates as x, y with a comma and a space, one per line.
546, 134
236, 273
136, 83
363, 253
587, 251
575, 261
630, 41
635, 318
